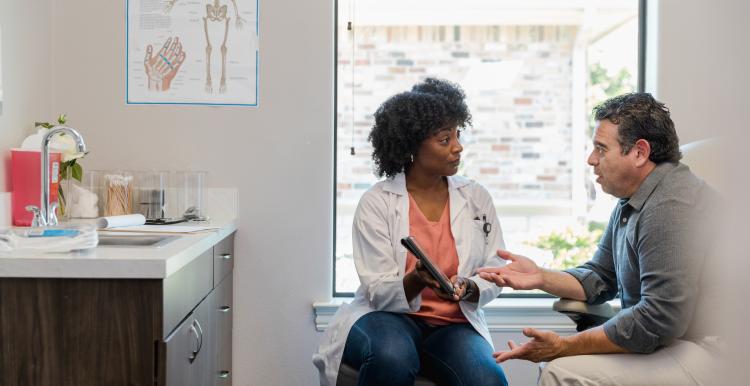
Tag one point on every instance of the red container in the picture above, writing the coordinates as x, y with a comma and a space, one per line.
26, 180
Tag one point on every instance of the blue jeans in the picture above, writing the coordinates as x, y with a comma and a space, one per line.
391, 349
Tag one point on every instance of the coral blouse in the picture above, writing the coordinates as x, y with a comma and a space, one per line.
436, 240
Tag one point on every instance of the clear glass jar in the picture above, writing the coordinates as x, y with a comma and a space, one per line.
83, 198
117, 191
153, 187
190, 186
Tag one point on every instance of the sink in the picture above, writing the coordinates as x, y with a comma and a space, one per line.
135, 240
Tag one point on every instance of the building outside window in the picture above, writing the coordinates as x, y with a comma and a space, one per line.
532, 71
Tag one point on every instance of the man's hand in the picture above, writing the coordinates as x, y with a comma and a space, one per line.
544, 346
520, 273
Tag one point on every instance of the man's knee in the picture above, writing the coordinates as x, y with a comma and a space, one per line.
561, 372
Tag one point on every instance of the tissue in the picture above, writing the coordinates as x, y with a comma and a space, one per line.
82, 203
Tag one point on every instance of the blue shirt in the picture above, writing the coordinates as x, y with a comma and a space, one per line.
652, 253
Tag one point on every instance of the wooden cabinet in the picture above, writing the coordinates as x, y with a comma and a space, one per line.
156, 332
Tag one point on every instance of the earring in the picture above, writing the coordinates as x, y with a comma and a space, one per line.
411, 157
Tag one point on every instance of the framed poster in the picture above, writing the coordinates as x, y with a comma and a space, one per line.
192, 52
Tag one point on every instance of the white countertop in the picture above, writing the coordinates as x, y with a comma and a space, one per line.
118, 261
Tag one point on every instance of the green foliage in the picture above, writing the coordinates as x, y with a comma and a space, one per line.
71, 169
603, 86
570, 249
620, 83
61, 119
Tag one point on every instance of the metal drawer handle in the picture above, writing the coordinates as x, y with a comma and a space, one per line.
200, 330
225, 309
226, 256
224, 374
194, 353
199, 336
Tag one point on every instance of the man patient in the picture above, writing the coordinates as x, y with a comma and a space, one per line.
652, 253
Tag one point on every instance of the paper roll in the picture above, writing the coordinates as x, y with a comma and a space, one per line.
120, 221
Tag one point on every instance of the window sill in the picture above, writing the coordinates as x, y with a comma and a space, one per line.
502, 315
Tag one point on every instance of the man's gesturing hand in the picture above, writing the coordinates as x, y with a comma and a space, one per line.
543, 346
520, 273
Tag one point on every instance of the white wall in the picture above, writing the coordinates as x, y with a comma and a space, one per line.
72, 60
703, 62
27, 75
703, 77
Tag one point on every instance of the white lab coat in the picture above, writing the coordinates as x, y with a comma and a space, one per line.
380, 221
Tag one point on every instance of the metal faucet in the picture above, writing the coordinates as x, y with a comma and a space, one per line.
45, 215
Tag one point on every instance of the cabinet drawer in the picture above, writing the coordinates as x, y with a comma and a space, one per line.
223, 259
184, 289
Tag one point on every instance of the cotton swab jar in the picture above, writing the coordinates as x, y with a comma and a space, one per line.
118, 194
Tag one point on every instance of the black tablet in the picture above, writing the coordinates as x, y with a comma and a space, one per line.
410, 243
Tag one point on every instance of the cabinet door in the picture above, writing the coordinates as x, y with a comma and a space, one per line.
188, 350
179, 346
223, 329
205, 356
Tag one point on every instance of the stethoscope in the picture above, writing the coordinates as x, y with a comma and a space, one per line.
486, 227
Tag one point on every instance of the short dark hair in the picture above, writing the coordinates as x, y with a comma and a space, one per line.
640, 116
405, 120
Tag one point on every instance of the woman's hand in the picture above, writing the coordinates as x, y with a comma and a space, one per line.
432, 283
416, 280
424, 276
466, 289
424, 279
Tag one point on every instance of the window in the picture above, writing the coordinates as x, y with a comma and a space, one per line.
532, 71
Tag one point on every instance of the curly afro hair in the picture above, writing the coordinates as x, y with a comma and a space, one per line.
639, 115
405, 120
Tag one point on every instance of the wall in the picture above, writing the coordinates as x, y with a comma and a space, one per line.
26, 52
280, 154
703, 77
702, 65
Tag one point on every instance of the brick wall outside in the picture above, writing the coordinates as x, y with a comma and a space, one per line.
520, 144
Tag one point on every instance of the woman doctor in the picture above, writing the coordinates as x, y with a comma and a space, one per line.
400, 322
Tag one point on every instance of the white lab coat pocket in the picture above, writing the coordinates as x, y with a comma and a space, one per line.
478, 242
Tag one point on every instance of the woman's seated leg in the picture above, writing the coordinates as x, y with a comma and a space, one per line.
457, 355
384, 347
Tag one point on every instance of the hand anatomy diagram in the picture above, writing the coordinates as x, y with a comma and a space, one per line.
216, 12
162, 67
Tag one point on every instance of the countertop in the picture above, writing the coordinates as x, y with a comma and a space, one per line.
118, 261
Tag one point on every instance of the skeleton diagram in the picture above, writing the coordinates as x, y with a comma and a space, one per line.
216, 13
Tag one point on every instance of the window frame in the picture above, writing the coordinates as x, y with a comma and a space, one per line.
640, 87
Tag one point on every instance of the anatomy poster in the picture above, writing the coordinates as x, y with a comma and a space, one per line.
192, 52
